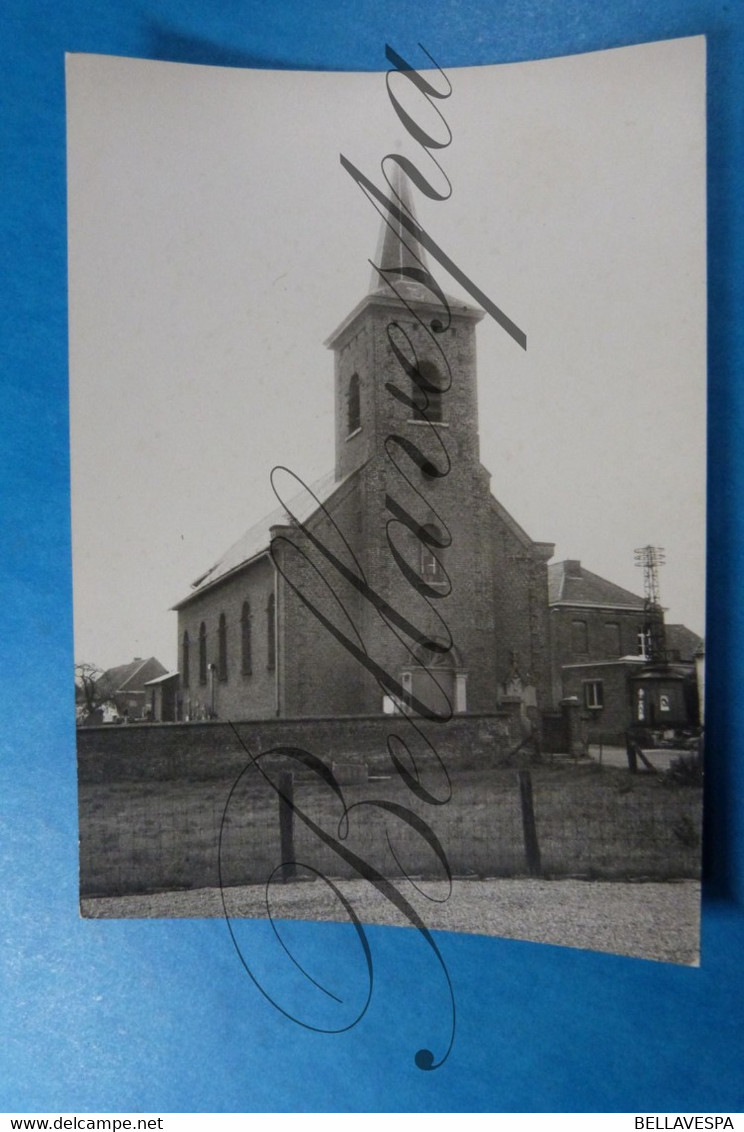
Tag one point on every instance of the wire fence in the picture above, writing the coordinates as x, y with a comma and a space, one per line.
554, 821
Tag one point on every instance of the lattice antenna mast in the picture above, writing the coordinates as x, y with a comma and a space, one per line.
650, 558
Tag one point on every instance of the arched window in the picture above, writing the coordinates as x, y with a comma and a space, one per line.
430, 567
429, 399
246, 660
185, 660
202, 653
353, 406
222, 648
271, 633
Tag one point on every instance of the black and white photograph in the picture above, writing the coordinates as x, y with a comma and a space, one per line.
388, 411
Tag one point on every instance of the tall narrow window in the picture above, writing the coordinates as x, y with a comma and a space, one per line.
430, 567
222, 648
353, 406
185, 660
612, 638
246, 660
579, 637
202, 653
429, 399
271, 633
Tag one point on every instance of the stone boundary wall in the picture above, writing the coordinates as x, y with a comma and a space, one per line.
202, 751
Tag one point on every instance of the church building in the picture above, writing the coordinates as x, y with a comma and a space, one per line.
398, 582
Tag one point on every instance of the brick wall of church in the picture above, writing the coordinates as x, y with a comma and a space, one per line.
238, 694
520, 601
498, 601
318, 675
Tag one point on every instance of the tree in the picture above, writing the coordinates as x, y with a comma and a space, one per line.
92, 691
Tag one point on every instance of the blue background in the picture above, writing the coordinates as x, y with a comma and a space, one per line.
159, 1016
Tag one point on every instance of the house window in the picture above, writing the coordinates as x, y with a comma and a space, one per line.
222, 648
271, 633
664, 703
579, 637
428, 400
246, 665
430, 567
202, 653
406, 682
185, 660
353, 406
612, 638
642, 637
593, 695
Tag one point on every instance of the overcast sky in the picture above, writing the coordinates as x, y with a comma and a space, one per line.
216, 241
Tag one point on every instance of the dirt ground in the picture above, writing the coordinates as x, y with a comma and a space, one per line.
659, 921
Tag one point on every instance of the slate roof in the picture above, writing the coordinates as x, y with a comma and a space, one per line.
256, 539
399, 252
162, 679
133, 676
571, 584
682, 641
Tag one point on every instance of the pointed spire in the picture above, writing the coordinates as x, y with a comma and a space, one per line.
397, 249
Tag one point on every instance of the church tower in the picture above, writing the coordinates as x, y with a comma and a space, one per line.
406, 423
403, 323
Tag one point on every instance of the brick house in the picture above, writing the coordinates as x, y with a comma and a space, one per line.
162, 698
398, 579
599, 655
120, 692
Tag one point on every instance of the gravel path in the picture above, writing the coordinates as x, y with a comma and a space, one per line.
647, 920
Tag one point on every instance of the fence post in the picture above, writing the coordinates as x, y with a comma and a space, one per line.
632, 752
286, 825
531, 846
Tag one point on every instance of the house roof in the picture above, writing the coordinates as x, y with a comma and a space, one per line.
569, 583
132, 677
162, 679
681, 640
255, 542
